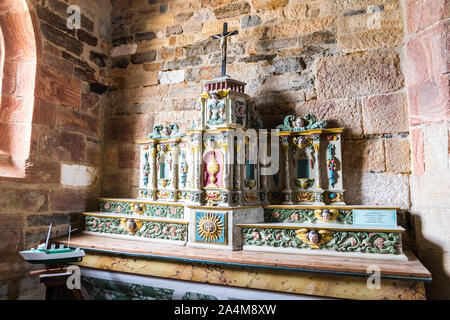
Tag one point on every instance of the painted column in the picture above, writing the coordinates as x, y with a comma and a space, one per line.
153, 173
316, 144
198, 142
287, 176
174, 160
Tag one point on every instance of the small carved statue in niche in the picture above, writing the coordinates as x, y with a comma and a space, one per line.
183, 170
216, 112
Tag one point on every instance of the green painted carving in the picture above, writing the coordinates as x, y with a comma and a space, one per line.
152, 210
197, 296
291, 123
149, 229
163, 231
303, 215
284, 238
289, 215
164, 211
345, 217
117, 207
342, 241
368, 242
100, 289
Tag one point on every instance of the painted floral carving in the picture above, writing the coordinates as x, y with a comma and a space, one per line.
147, 229
152, 210
304, 215
342, 241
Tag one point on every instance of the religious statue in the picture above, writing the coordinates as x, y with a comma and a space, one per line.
223, 37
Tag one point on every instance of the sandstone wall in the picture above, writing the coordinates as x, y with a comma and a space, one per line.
64, 167
427, 77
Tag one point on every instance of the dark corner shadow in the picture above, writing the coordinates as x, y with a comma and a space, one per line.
432, 257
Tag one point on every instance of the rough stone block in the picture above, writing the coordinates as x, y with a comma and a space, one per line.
90, 103
87, 38
385, 114
417, 151
170, 77
11, 233
99, 59
427, 53
140, 58
340, 114
432, 225
436, 146
58, 88
176, 29
364, 155
268, 4
296, 10
381, 189
287, 29
62, 39
435, 197
71, 120
215, 27
250, 21
70, 199
78, 176
232, 10
145, 36
128, 128
372, 30
355, 75
429, 100
398, 156
421, 14
14, 200
62, 146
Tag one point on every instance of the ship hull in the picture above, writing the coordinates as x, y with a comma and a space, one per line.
43, 258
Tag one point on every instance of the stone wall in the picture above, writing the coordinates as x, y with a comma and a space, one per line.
341, 60
62, 175
427, 77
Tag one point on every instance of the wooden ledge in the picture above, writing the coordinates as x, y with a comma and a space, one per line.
407, 270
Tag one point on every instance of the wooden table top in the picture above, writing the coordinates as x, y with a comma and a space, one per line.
409, 270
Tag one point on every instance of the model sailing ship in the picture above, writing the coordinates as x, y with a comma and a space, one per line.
43, 255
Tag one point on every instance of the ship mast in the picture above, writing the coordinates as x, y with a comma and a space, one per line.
68, 239
48, 235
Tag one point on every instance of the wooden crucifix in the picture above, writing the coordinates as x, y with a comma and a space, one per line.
223, 45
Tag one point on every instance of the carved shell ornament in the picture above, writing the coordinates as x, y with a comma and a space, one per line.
314, 238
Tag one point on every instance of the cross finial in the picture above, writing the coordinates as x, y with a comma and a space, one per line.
223, 37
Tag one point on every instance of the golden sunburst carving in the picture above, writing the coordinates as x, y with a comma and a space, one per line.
210, 227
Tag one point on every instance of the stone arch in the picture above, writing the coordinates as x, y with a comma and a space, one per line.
19, 51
